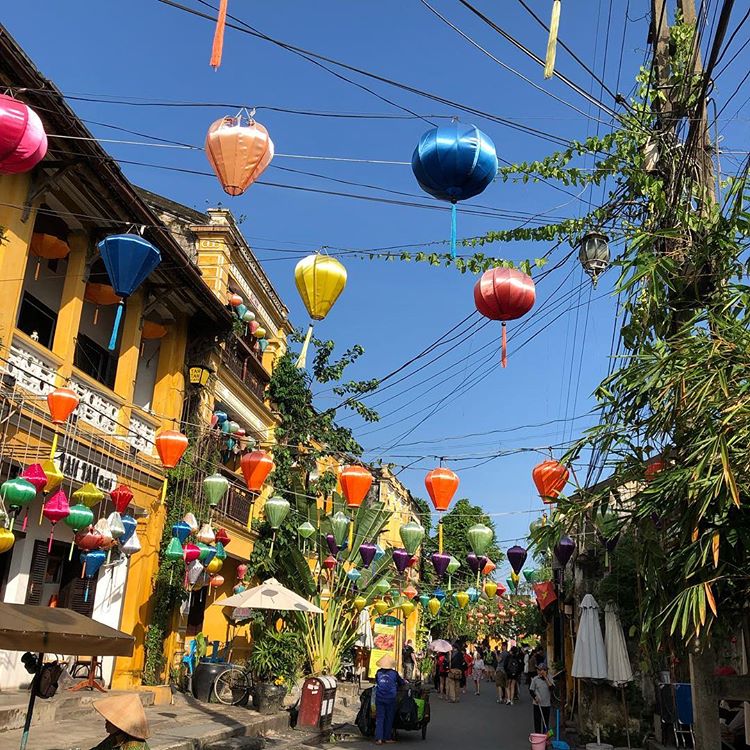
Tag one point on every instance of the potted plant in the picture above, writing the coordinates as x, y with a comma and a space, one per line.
275, 661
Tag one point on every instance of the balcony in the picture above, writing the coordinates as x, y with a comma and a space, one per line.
243, 363
236, 504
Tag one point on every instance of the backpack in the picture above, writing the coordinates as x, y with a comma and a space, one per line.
48, 680
513, 666
364, 719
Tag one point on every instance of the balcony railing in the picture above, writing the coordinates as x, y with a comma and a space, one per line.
236, 504
237, 359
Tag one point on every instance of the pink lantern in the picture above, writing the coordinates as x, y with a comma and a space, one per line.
241, 570
34, 473
54, 510
23, 142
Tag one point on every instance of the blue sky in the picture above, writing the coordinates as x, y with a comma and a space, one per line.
148, 50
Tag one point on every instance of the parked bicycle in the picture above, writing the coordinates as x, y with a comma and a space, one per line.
233, 686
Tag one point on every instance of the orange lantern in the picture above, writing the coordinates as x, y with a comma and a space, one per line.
152, 330
256, 466
235, 300
441, 485
550, 478
100, 294
171, 445
49, 247
488, 568
654, 466
238, 153
62, 403
355, 484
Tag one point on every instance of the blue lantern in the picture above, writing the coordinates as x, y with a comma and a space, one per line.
130, 525
379, 552
454, 163
263, 343
91, 561
181, 530
354, 575
129, 259
439, 594
221, 417
473, 595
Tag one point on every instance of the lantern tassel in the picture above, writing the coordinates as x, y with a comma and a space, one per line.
453, 230
302, 359
25, 520
440, 535
116, 327
504, 355
351, 535
218, 45
250, 516
164, 490
36, 272
554, 26
273, 541
51, 534
70, 554
53, 449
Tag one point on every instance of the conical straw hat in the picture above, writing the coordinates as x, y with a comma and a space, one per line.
126, 713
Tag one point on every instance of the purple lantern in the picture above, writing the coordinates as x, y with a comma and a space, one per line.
564, 550
440, 561
473, 561
367, 552
401, 559
516, 558
332, 546
482, 560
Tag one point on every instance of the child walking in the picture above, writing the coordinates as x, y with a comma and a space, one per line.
477, 671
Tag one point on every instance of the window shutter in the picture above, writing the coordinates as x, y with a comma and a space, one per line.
37, 573
77, 602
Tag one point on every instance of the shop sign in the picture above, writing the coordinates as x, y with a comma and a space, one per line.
83, 471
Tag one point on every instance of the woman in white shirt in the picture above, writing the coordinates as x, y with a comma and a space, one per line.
477, 671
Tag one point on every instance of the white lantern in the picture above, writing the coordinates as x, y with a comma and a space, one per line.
593, 252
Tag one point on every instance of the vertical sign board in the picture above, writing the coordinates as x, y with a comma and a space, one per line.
385, 637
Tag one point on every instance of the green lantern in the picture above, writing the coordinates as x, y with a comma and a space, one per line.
174, 550
453, 566
79, 517
215, 487
411, 536
424, 599
306, 530
207, 552
480, 537
382, 586
221, 553
17, 492
276, 510
340, 526
530, 575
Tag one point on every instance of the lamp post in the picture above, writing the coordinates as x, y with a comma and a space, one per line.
593, 252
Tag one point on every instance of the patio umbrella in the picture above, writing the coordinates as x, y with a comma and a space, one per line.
269, 595
619, 671
25, 627
440, 646
590, 657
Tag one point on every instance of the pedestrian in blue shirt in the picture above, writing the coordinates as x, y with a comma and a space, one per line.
387, 683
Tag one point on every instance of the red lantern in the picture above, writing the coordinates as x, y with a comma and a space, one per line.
504, 294
23, 142
410, 592
550, 478
654, 466
413, 561
171, 445
329, 563
441, 485
500, 591
241, 569
88, 539
62, 403
235, 300
355, 484
222, 536
121, 497
256, 466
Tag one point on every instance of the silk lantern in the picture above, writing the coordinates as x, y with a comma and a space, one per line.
355, 484
367, 553
129, 259
411, 534
191, 521
238, 149
100, 295
424, 599
320, 280
329, 563
256, 466
276, 510
191, 552
454, 163
61, 402
221, 553
379, 552
516, 557
57, 508
174, 551
7, 539
400, 559
439, 594
35, 474
440, 561
359, 603
654, 466
207, 552
340, 526
564, 550
504, 294
381, 607
462, 598
434, 606
121, 496
333, 546
480, 537
550, 478
49, 247
353, 575
206, 534
132, 545
23, 142
92, 562
441, 484
88, 494
224, 538
17, 493
116, 525
490, 589
171, 446
382, 586
488, 568
406, 607
214, 566
215, 486
130, 525
55, 477
410, 591
306, 530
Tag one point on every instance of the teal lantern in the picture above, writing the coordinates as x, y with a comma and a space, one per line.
221, 553
530, 575
215, 487
480, 537
17, 493
174, 550
354, 575
411, 536
340, 527
379, 552
424, 599
473, 595
207, 553
511, 585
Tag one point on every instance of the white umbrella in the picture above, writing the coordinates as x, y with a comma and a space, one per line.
364, 630
589, 657
440, 646
269, 595
619, 671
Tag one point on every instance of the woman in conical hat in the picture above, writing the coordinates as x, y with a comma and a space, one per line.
125, 723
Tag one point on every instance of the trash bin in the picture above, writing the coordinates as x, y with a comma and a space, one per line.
317, 702
204, 676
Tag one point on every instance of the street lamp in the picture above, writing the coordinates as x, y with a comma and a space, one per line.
198, 375
593, 252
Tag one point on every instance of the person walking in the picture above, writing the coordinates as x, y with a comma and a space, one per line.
501, 677
456, 670
387, 683
408, 660
468, 663
441, 674
490, 664
514, 670
477, 671
541, 696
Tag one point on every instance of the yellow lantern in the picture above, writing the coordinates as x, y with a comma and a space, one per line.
514, 578
381, 607
434, 606
54, 475
320, 280
490, 588
89, 495
7, 540
215, 565
462, 598
359, 603
406, 607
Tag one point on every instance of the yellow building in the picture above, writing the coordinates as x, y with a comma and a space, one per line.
55, 321
242, 366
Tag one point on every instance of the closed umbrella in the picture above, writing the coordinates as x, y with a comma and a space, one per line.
590, 657
269, 595
364, 630
619, 671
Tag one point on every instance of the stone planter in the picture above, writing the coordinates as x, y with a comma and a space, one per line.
268, 698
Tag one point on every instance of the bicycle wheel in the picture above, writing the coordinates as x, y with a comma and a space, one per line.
232, 687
